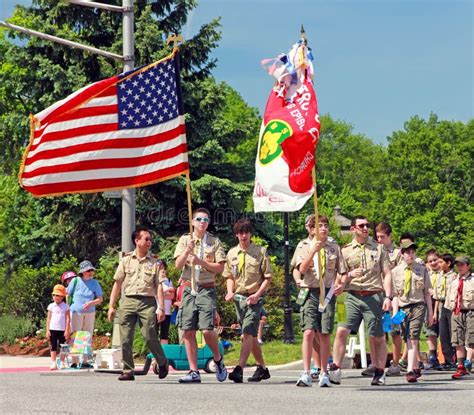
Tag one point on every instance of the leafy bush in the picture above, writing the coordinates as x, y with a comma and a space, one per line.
12, 327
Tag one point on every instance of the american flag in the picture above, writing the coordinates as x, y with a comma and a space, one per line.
121, 132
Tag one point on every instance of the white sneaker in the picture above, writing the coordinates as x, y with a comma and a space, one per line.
335, 376
53, 366
62, 365
305, 380
324, 381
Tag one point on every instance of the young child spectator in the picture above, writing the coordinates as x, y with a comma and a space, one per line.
57, 323
169, 293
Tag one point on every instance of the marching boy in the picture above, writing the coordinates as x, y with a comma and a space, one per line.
317, 321
248, 273
460, 299
411, 282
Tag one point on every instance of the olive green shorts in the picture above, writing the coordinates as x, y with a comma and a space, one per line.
413, 323
462, 329
431, 331
312, 319
248, 315
367, 308
197, 312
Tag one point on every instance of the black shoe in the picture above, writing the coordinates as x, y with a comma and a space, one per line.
127, 376
163, 370
379, 378
260, 374
237, 375
86, 366
74, 366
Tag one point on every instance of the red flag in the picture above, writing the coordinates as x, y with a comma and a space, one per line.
286, 150
122, 132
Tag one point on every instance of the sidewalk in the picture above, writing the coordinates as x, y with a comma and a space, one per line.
11, 364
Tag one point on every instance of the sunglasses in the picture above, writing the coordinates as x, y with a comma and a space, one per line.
363, 226
205, 220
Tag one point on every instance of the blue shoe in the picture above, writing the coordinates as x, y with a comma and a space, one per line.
315, 371
468, 365
434, 362
221, 371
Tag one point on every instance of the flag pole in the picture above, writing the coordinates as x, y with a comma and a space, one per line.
190, 216
316, 211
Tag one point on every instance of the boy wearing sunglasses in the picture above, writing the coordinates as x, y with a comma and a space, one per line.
369, 284
205, 253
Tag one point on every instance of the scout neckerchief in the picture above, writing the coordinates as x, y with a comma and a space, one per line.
201, 243
434, 278
320, 257
458, 302
442, 291
407, 283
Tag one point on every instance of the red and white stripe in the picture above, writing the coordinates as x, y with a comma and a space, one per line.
76, 147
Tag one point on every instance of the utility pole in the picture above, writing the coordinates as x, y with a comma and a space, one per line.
128, 195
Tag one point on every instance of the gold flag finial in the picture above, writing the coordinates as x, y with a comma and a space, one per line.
303, 35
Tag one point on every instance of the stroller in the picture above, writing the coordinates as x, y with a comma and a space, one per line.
79, 345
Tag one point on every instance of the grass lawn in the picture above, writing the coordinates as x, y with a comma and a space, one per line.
277, 352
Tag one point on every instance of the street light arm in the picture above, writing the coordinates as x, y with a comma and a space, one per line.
61, 41
96, 5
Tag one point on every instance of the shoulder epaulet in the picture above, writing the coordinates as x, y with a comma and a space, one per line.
127, 254
347, 245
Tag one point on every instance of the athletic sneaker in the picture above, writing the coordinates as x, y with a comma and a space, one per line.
324, 381
411, 377
335, 374
370, 371
259, 374
305, 380
468, 365
193, 376
446, 367
221, 371
379, 378
315, 371
433, 362
237, 375
403, 365
393, 370
460, 373
417, 373
53, 366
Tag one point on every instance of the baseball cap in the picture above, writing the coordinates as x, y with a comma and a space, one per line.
463, 259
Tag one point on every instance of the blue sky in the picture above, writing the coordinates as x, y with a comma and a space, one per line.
377, 62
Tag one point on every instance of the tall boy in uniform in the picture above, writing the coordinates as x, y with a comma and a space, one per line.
383, 233
205, 253
369, 283
432, 331
412, 286
460, 299
248, 272
441, 313
316, 313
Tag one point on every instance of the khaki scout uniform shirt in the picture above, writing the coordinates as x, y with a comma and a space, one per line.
256, 268
372, 258
442, 284
467, 293
139, 276
334, 264
212, 252
420, 283
394, 255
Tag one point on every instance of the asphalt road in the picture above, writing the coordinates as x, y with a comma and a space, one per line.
80, 392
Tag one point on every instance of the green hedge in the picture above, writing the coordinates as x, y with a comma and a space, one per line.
13, 327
